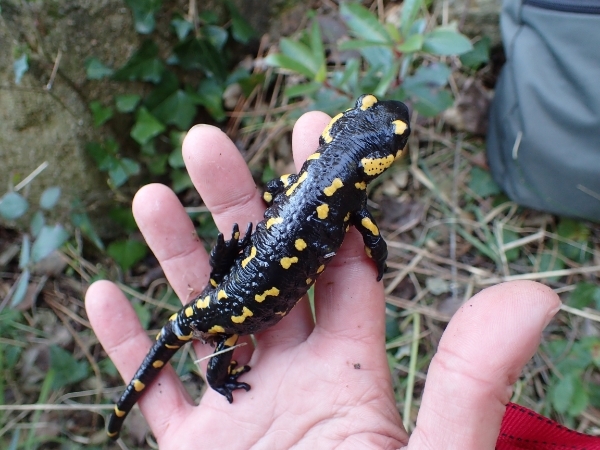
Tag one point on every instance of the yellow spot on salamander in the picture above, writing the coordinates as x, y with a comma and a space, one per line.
221, 295
369, 225
173, 317
375, 166
268, 197
118, 412
240, 319
216, 329
186, 337
158, 336
323, 211
189, 311
361, 185
138, 385
285, 179
172, 347
321, 268
112, 434
327, 131
213, 283
347, 217
286, 262
272, 221
300, 244
400, 126
293, 187
236, 235
335, 185
230, 342
252, 254
158, 364
281, 313
368, 252
309, 280
202, 303
261, 298
314, 156
367, 102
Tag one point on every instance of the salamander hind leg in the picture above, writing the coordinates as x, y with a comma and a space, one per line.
277, 186
375, 245
224, 253
222, 373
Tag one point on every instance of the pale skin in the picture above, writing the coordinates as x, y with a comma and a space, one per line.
306, 392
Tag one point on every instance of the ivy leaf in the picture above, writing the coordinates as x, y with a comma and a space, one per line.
178, 109
25, 254
100, 113
49, 239
180, 180
146, 127
37, 222
122, 169
13, 205
49, 197
96, 70
143, 65
210, 95
479, 55
127, 103
217, 36
241, 30
445, 42
21, 289
67, 369
143, 14
584, 295
182, 27
202, 55
482, 183
127, 252
20, 66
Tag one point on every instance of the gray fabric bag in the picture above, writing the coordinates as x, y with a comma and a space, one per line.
544, 135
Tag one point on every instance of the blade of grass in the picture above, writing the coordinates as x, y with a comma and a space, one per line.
35, 418
410, 381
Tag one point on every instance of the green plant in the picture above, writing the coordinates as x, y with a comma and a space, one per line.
396, 61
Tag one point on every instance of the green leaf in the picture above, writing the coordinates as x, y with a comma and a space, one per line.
507, 237
49, 239
49, 197
302, 55
217, 36
210, 95
20, 66
180, 180
143, 65
178, 109
82, 221
479, 55
482, 183
412, 44
25, 252
363, 23
127, 252
67, 369
430, 102
176, 159
578, 233
182, 27
124, 218
285, 62
13, 206
96, 70
241, 30
445, 42
562, 393
122, 170
143, 14
21, 289
127, 103
584, 295
549, 261
202, 55
100, 113
410, 11
37, 222
302, 90
157, 164
146, 127
168, 84
580, 399
436, 74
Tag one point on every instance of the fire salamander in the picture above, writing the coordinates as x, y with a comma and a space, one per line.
257, 280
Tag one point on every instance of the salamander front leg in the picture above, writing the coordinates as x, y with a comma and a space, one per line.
375, 245
224, 253
277, 186
222, 372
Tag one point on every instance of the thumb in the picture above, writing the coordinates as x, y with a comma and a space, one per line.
480, 356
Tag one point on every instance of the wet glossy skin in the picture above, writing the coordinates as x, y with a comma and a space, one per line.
257, 280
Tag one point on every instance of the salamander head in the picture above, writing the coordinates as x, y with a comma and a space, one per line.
375, 131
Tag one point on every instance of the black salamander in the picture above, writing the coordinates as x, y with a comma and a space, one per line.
257, 280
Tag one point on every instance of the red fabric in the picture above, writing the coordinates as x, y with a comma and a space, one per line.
525, 429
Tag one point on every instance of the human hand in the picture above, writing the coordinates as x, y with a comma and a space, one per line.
323, 385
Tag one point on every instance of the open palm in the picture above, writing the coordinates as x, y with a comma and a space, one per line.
324, 385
